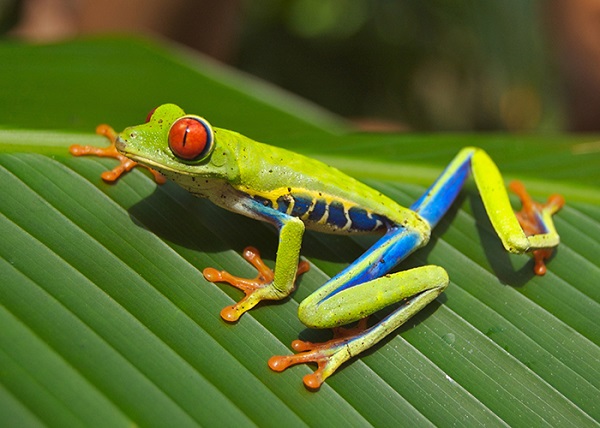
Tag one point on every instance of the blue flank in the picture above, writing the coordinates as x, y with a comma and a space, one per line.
301, 206
337, 215
362, 221
318, 210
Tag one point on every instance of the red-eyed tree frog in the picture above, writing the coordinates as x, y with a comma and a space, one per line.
294, 192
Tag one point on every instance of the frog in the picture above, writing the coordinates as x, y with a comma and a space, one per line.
295, 193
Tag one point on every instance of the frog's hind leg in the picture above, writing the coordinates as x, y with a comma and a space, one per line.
365, 286
414, 288
536, 219
530, 230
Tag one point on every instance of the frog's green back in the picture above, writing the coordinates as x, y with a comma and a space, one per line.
238, 167
278, 176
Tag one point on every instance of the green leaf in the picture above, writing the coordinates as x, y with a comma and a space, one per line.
106, 319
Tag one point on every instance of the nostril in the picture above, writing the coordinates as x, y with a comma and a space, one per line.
120, 144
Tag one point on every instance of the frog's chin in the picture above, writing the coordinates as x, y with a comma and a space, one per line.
121, 147
163, 169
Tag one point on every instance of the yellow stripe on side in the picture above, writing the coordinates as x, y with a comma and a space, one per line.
325, 212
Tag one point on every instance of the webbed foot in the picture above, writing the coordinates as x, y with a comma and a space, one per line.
535, 218
257, 289
328, 355
125, 164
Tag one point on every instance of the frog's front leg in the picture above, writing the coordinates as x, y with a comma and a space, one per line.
269, 284
125, 164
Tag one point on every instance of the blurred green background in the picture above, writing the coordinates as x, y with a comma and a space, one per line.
434, 65
463, 65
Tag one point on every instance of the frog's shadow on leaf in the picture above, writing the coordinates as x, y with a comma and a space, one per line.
182, 219
498, 258
176, 216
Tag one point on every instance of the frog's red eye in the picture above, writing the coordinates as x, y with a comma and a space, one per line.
150, 114
191, 138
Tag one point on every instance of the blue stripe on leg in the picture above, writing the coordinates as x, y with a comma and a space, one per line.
436, 201
378, 260
399, 242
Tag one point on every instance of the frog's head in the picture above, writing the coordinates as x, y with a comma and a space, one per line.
176, 145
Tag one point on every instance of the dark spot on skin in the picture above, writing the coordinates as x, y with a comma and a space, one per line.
283, 202
270, 171
266, 202
290, 189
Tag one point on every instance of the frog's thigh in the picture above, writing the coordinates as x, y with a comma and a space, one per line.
419, 286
